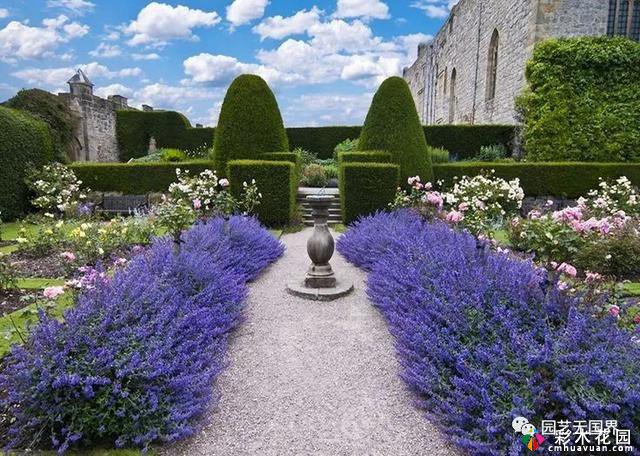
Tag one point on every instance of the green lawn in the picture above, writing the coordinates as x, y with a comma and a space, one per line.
631, 289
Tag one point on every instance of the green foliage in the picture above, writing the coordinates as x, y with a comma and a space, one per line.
392, 125
250, 123
348, 145
172, 155
50, 109
366, 188
570, 180
292, 157
314, 175
8, 273
134, 178
277, 182
492, 153
306, 157
583, 102
616, 255
321, 140
170, 129
439, 155
373, 156
465, 141
24, 143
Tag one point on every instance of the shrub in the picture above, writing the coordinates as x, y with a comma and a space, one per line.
314, 175
133, 178
366, 188
250, 123
492, 153
172, 155
569, 180
465, 141
293, 157
392, 125
50, 109
134, 361
277, 182
56, 188
348, 145
364, 157
484, 338
439, 155
24, 143
584, 100
616, 256
306, 157
331, 171
321, 140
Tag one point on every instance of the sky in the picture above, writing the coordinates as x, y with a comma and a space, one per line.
323, 59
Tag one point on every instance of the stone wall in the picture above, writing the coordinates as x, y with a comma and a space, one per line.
463, 44
95, 136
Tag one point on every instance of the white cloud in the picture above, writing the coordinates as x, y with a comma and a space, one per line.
278, 27
367, 9
56, 77
219, 70
106, 51
244, 11
171, 97
152, 56
78, 7
158, 23
4, 13
21, 41
339, 35
436, 9
326, 109
114, 89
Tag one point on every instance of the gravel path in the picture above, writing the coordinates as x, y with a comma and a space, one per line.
309, 378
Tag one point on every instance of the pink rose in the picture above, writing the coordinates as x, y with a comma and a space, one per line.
567, 269
435, 199
53, 292
562, 286
636, 319
197, 204
224, 182
454, 217
69, 256
614, 311
463, 207
593, 277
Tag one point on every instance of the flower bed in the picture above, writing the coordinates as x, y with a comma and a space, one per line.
135, 359
484, 337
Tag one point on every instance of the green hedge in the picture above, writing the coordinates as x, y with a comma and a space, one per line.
583, 102
465, 141
321, 140
196, 138
282, 156
277, 182
374, 156
24, 142
134, 178
366, 188
570, 180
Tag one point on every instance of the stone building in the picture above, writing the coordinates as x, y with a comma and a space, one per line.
95, 135
473, 69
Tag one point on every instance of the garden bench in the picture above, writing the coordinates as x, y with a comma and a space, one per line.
123, 204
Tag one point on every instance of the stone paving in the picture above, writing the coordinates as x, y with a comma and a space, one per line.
312, 378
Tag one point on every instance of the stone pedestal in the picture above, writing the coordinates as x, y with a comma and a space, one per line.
320, 282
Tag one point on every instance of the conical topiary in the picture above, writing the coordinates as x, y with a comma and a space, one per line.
393, 125
250, 123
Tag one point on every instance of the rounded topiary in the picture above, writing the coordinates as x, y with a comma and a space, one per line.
393, 125
250, 123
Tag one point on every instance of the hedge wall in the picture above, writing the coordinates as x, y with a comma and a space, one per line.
321, 140
134, 178
583, 102
24, 142
366, 188
374, 156
170, 129
465, 141
276, 180
570, 180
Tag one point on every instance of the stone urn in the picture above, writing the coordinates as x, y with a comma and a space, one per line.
320, 282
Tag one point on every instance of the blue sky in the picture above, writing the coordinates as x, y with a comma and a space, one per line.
323, 58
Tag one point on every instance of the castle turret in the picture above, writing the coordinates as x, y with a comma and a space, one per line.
119, 101
80, 84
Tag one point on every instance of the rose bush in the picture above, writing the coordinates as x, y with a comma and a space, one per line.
56, 189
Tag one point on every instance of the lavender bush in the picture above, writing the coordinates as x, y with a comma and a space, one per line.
483, 337
134, 361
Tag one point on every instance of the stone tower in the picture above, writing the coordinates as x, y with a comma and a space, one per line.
80, 85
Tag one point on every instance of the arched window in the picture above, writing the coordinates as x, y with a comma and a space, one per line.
492, 65
624, 18
452, 97
445, 83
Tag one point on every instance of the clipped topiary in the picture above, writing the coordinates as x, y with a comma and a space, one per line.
393, 125
250, 123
